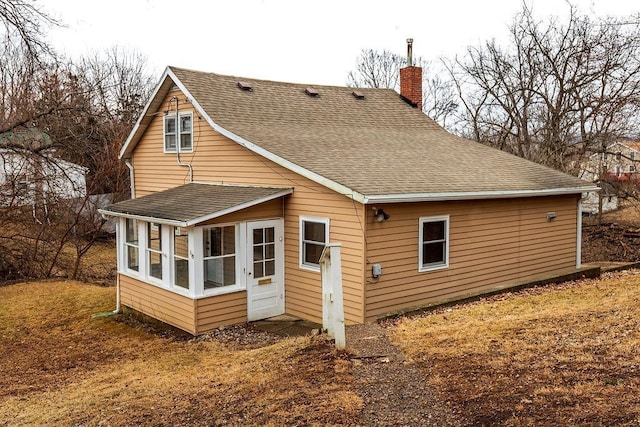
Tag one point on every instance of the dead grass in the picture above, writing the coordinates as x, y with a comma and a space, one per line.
564, 355
61, 367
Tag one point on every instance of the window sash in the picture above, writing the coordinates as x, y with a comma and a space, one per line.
314, 236
170, 133
154, 250
434, 243
219, 260
178, 130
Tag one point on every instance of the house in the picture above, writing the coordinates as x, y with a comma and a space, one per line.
606, 199
618, 162
239, 183
30, 170
614, 170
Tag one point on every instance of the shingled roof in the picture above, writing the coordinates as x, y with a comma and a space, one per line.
194, 203
374, 147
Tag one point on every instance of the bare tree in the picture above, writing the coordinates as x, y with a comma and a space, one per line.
382, 70
557, 92
58, 118
26, 19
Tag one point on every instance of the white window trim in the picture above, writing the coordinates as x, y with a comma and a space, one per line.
240, 254
301, 222
433, 267
123, 266
164, 258
196, 259
178, 133
175, 257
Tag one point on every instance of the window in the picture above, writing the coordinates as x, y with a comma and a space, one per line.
181, 257
314, 235
219, 256
618, 170
264, 252
132, 248
618, 155
182, 132
632, 155
632, 168
433, 251
154, 249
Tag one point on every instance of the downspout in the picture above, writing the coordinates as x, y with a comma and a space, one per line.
131, 178
579, 235
133, 196
117, 310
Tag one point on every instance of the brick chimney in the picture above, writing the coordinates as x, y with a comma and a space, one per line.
411, 80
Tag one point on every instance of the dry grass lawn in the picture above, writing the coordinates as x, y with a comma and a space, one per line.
62, 367
564, 355
567, 354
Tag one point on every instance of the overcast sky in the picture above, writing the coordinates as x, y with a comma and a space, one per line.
296, 41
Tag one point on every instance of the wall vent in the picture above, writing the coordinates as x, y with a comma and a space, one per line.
357, 95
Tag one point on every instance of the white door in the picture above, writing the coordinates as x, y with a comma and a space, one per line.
265, 269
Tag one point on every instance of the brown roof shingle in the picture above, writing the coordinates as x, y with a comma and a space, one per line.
377, 145
193, 203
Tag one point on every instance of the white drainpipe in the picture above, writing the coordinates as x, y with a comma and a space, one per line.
131, 178
579, 236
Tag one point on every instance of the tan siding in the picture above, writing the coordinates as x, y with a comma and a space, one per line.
493, 244
171, 308
221, 310
216, 159
268, 210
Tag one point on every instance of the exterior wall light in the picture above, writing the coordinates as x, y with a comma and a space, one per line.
380, 215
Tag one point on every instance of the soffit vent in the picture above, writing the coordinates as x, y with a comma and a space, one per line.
311, 92
357, 95
245, 86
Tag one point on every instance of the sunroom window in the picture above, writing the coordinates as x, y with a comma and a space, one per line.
219, 244
181, 257
154, 249
131, 244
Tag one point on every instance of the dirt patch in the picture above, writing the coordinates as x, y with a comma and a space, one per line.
610, 242
613, 238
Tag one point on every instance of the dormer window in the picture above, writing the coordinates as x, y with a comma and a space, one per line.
181, 131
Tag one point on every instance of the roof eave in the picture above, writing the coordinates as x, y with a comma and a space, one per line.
201, 219
339, 188
441, 197
140, 126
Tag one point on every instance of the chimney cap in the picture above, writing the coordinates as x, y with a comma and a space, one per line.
410, 52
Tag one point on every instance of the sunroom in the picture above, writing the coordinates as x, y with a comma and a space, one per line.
200, 242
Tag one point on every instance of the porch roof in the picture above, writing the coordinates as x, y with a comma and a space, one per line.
193, 203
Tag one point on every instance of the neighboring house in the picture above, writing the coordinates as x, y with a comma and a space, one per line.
605, 199
239, 184
30, 171
618, 162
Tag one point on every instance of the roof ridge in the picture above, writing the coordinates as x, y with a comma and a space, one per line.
280, 82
